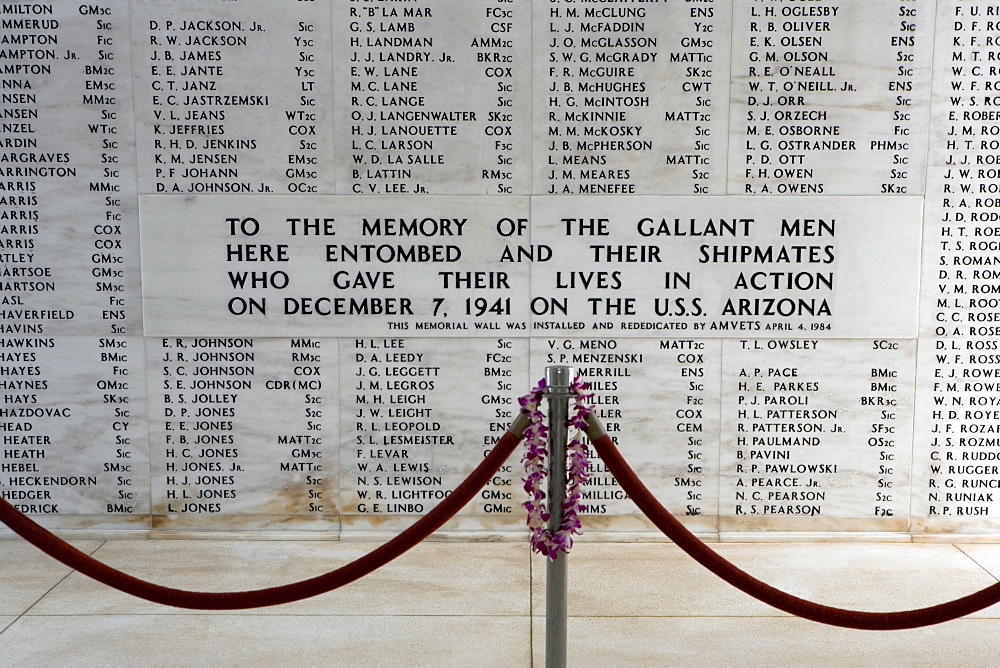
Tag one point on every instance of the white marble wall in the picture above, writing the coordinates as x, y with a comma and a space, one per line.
285, 267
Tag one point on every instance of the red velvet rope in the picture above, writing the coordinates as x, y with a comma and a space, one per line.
852, 619
421, 529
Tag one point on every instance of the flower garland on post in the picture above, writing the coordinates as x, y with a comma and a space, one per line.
536, 434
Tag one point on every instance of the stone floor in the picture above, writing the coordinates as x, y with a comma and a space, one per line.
455, 603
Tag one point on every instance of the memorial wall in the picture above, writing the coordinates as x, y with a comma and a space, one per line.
283, 267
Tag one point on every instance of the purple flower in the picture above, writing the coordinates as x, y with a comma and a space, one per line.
544, 541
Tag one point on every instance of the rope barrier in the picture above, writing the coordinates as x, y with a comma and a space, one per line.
704, 555
61, 550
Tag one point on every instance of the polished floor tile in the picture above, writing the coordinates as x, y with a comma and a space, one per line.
27, 574
869, 576
431, 579
641, 579
247, 640
984, 554
768, 642
454, 603
660, 580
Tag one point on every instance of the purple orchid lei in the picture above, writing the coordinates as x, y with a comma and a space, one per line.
544, 541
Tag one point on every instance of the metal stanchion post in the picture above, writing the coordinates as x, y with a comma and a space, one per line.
558, 380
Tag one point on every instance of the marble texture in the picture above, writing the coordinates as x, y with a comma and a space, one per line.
860, 422
954, 450
465, 400
201, 86
662, 581
66, 99
182, 148
660, 400
191, 294
245, 640
93, 268
87, 440
642, 580
440, 604
647, 272
846, 77
26, 575
264, 457
444, 579
683, 116
172, 299
768, 641
881, 577
955, 445
987, 556
470, 60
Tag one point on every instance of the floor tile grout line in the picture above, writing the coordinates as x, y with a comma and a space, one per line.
237, 613
48, 591
244, 613
785, 617
973, 560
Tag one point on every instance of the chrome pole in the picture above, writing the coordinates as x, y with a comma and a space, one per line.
558, 380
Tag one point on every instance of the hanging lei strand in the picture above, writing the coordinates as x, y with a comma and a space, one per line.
544, 541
